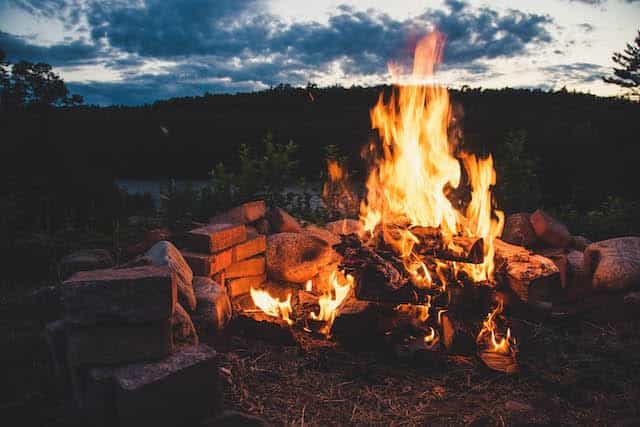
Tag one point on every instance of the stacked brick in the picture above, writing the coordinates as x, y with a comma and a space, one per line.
125, 347
230, 250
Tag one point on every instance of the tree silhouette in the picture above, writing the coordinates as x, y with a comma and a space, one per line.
33, 84
628, 76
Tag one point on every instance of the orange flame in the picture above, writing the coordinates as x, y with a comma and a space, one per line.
506, 344
410, 181
331, 301
336, 192
272, 306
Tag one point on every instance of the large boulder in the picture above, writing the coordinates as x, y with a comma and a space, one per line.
614, 263
85, 260
165, 253
519, 231
281, 222
297, 257
550, 230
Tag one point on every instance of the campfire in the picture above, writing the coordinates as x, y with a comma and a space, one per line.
427, 222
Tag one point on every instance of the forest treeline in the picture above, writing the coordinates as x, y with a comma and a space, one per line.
551, 148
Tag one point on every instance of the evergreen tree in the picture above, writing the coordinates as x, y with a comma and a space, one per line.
628, 75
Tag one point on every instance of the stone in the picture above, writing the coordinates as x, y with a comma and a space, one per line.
85, 260
248, 267
550, 230
216, 237
322, 233
614, 264
243, 214
322, 283
139, 294
346, 226
151, 237
281, 222
297, 257
262, 226
214, 308
208, 264
183, 332
255, 244
243, 285
559, 258
179, 390
123, 343
165, 253
578, 276
579, 243
519, 231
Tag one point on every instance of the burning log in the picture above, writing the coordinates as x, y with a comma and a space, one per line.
376, 278
462, 248
455, 336
533, 278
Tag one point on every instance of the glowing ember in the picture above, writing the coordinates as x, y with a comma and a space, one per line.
272, 306
330, 302
430, 336
416, 168
308, 286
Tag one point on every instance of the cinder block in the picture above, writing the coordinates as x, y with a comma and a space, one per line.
244, 284
134, 295
181, 389
216, 237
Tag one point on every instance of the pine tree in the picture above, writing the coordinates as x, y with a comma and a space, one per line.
628, 76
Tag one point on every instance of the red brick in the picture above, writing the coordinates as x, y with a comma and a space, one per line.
244, 284
216, 237
208, 264
243, 214
249, 267
256, 244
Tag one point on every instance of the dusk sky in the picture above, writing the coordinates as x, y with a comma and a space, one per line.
132, 52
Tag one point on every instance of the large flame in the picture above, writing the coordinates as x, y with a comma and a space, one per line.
272, 306
418, 166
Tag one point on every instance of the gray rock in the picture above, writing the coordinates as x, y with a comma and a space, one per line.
85, 260
182, 330
614, 263
579, 243
550, 230
130, 295
214, 308
297, 257
181, 389
281, 222
519, 231
346, 226
165, 253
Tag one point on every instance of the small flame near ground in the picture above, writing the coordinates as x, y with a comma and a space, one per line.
272, 306
491, 338
330, 302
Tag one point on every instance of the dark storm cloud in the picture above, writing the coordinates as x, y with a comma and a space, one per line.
69, 53
229, 39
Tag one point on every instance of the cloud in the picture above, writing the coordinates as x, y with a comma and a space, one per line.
587, 27
226, 44
68, 53
575, 73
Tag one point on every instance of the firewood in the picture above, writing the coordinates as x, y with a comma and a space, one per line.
461, 248
501, 362
262, 327
532, 277
455, 336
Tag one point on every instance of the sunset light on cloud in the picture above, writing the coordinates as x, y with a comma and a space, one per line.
137, 52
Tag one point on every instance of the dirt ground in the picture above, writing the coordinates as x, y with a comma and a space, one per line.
580, 370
